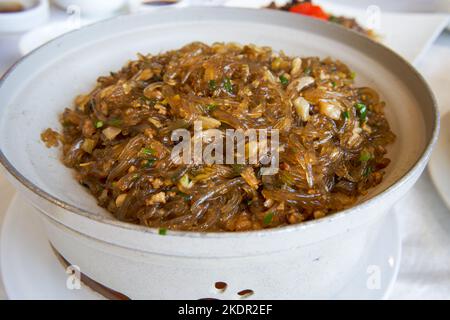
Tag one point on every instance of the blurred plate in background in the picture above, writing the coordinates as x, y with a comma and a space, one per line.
439, 165
409, 34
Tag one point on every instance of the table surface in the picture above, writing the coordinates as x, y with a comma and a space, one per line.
424, 219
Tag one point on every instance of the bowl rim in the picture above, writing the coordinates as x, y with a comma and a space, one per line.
418, 165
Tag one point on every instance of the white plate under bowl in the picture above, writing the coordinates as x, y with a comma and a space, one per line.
30, 269
439, 165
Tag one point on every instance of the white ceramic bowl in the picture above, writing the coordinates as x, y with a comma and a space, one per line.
36, 12
310, 260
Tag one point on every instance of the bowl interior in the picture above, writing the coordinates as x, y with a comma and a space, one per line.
45, 82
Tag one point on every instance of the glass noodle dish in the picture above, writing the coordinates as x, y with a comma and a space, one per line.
332, 134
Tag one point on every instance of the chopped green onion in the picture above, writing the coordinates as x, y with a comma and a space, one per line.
333, 83
268, 218
362, 108
367, 171
249, 202
115, 122
148, 151
227, 85
286, 177
284, 81
185, 196
211, 107
185, 182
212, 85
307, 71
162, 231
237, 168
149, 162
149, 101
346, 114
353, 75
365, 156
333, 19
99, 124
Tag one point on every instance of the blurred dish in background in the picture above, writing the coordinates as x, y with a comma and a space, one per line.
417, 6
159, 2
148, 5
308, 8
409, 34
441, 7
81, 13
22, 15
8, 7
102, 8
393, 29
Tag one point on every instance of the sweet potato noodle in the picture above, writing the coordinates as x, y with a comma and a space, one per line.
333, 138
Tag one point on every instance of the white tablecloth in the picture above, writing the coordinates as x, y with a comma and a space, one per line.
424, 219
